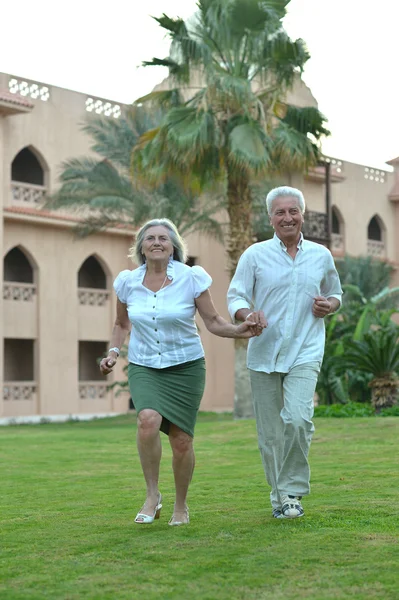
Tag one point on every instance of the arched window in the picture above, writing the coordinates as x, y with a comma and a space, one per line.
374, 230
26, 168
92, 275
17, 267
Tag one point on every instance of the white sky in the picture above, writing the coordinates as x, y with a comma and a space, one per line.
97, 47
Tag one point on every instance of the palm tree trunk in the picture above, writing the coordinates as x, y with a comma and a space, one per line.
384, 393
239, 206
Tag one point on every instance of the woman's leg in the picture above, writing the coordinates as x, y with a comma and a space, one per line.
183, 467
150, 452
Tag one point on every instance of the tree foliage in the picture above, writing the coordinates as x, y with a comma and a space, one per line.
227, 123
101, 191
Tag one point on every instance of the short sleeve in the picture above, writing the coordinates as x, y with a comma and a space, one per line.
120, 285
202, 281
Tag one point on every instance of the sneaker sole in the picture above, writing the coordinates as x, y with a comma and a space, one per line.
294, 516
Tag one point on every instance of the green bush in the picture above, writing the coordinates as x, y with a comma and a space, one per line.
392, 411
351, 409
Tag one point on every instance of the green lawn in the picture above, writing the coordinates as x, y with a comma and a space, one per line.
69, 494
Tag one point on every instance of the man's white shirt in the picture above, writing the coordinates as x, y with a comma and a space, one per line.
269, 279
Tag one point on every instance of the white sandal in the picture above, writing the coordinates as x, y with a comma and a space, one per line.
143, 519
174, 522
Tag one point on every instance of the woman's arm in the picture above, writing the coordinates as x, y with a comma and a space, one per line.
219, 326
121, 329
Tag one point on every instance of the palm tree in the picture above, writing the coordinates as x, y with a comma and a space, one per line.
369, 274
338, 381
378, 355
103, 194
234, 128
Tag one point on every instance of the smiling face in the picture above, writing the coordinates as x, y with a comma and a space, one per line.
286, 218
157, 245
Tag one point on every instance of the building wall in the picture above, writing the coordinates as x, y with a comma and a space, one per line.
359, 200
55, 317
2, 194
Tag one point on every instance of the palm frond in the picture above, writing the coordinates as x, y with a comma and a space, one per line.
292, 150
249, 148
162, 98
306, 120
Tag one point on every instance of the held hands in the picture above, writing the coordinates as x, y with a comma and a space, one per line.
108, 363
253, 325
321, 307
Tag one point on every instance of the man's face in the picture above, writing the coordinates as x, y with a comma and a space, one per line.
286, 218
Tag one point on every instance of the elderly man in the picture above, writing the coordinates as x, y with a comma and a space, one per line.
289, 284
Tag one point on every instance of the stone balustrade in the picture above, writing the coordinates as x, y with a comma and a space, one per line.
22, 292
19, 390
376, 248
337, 242
92, 296
23, 194
92, 390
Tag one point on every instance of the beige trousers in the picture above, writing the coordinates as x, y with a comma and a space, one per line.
283, 406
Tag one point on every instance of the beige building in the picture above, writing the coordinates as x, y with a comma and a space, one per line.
58, 306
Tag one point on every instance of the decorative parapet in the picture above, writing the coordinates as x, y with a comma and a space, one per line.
92, 296
337, 242
30, 89
375, 175
27, 193
376, 248
336, 163
22, 292
103, 107
92, 390
19, 390
318, 173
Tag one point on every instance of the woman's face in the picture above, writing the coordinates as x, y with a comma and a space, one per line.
157, 245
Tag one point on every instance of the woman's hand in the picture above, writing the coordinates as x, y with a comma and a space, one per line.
253, 325
108, 363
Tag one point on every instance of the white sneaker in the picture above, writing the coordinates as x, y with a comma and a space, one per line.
292, 507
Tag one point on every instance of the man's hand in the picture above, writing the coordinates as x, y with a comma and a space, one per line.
321, 307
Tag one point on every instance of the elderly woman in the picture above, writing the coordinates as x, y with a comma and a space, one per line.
166, 369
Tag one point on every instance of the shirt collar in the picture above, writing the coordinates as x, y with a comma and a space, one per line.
281, 244
170, 269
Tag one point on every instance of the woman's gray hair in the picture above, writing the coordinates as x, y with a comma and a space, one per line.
284, 191
179, 246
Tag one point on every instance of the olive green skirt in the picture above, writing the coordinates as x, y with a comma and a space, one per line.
175, 392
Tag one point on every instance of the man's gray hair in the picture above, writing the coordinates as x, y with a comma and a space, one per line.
179, 246
284, 191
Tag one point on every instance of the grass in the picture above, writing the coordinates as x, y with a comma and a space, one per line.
69, 493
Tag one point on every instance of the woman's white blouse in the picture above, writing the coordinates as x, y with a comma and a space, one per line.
164, 332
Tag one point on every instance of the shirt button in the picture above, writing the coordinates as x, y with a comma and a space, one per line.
153, 318
159, 353
155, 295
157, 341
155, 329
153, 307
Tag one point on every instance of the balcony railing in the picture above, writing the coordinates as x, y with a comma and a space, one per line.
315, 226
376, 248
23, 194
19, 390
23, 292
92, 390
93, 297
